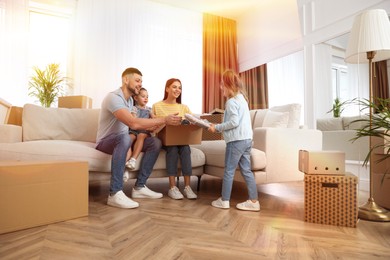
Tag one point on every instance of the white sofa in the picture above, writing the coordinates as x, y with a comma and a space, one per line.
48, 134
337, 135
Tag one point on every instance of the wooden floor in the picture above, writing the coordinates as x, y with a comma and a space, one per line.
168, 229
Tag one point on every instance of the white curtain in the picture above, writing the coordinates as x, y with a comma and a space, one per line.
286, 81
13, 51
323, 80
161, 41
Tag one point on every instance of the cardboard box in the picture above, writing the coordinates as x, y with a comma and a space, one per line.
39, 193
331, 199
75, 102
215, 119
180, 135
322, 162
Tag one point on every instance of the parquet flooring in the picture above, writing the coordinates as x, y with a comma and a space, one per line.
168, 229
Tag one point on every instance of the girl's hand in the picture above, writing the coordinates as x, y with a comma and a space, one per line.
211, 128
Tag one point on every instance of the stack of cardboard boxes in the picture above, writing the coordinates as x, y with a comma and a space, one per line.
330, 192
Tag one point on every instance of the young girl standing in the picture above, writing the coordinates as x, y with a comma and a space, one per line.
237, 132
171, 104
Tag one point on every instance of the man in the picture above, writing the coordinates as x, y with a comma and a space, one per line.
113, 138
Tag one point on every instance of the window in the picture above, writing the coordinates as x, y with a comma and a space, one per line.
340, 82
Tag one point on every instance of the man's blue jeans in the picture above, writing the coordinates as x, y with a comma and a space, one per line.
118, 145
238, 153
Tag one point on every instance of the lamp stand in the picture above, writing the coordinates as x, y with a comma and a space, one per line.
371, 210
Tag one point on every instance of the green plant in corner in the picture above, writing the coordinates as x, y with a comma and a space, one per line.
47, 85
378, 126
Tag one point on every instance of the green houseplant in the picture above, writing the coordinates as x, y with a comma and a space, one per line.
47, 84
338, 106
379, 126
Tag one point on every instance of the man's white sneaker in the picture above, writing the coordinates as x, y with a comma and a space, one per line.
145, 192
249, 205
120, 200
175, 194
222, 204
125, 176
189, 193
131, 163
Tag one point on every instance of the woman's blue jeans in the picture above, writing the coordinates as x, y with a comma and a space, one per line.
238, 153
172, 159
118, 145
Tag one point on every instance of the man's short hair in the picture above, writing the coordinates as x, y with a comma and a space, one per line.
131, 71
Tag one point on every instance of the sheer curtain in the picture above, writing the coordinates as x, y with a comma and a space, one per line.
13, 51
286, 81
162, 41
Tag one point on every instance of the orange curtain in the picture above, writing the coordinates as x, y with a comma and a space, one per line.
219, 54
255, 81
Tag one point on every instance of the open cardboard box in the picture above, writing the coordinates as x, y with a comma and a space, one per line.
180, 135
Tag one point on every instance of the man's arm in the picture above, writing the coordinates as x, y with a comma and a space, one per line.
135, 123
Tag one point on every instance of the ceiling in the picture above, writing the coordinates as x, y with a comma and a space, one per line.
226, 8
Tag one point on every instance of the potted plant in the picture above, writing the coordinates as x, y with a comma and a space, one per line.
338, 106
47, 85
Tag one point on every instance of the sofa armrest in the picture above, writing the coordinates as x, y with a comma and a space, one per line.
281, 147
10, 133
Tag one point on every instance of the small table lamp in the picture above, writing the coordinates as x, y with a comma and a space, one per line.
369, 41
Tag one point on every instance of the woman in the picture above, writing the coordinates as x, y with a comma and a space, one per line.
171, 104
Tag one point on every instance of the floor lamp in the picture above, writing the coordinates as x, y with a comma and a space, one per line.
369, 41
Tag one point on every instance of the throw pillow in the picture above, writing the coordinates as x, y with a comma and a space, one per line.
294, 111
259, 118
276, 119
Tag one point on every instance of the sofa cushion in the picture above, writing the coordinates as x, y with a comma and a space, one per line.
77, 124
330, 124
276, 119
349, 124
294, 111
59, 150
259, 118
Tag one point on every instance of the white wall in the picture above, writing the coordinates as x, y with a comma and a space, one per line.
320, 20
263, 36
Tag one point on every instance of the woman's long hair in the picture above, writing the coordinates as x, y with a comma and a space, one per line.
169, 82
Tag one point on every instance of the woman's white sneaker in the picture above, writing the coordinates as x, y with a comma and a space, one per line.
249, 205
222, 204
175, 194
120, 200
189, 193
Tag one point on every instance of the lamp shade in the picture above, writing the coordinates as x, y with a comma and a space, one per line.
370, 32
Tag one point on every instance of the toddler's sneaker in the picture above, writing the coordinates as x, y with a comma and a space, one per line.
125, 176
145, 192
249, 205
131, 163
120, 200
222, 204
175, 194
189, 193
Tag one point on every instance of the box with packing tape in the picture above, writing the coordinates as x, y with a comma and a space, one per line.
322, 162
